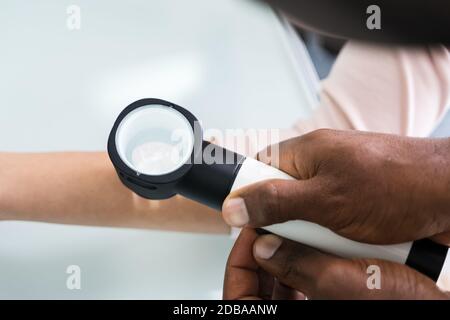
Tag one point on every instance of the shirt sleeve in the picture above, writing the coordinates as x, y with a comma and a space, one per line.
398, 90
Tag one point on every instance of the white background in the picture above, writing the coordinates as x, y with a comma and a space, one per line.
225, 60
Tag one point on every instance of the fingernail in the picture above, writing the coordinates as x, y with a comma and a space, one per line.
266, 246
235, 212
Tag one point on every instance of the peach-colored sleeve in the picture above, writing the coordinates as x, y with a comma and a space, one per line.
397, 90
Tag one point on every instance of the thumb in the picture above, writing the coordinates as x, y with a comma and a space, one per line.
275, 201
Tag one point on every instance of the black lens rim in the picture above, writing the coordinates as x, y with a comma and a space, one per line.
170, 177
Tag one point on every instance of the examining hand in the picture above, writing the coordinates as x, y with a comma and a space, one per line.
374, 188
267, 267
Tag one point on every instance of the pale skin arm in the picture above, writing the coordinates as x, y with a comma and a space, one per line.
83, 188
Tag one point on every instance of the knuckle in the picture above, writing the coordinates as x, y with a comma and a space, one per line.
335, 205
269, 196
262, 203
361, 265
339, 204
334, 269
319, 135
323, 133
291, 269
331, 274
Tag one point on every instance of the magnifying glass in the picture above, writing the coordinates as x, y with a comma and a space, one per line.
158, 151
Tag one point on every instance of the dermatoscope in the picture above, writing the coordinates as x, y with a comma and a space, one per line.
158, 151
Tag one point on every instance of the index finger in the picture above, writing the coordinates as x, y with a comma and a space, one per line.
241, 273
295, 156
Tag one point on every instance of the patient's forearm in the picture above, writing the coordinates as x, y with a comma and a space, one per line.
83, 188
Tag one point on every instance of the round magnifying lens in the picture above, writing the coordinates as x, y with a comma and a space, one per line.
155, 140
